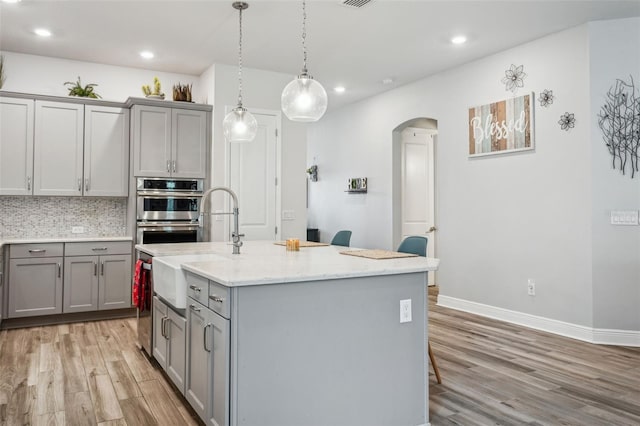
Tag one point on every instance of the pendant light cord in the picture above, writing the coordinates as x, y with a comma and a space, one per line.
240, 63
304, 37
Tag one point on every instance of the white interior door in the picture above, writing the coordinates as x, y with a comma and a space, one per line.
253, 170
418, 187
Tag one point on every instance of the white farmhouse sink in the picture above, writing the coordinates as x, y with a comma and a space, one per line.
170, 280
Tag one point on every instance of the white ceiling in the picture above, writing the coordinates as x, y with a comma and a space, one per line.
354, 47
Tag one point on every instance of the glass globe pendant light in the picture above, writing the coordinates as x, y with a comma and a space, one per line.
304, 99
240, 125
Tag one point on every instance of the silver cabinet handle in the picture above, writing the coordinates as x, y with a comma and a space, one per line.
168, 166
102, 268
162, 320
28, 183
59, 270
79, 184
174, 166
95, 269
86, 184
194, 288
204, 337
194, 308
216, 298
165, 333
99, 248
37, 251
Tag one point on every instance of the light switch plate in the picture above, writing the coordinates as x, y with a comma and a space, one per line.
77, 229
288, 215
624, 217
405, 310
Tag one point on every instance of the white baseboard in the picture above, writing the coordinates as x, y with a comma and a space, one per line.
592, 335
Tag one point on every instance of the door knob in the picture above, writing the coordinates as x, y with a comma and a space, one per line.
433, 228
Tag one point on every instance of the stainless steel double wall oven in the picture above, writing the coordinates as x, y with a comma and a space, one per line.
167, 210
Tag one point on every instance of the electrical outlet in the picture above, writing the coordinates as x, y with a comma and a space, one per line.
531, 287
405, 310
77, 229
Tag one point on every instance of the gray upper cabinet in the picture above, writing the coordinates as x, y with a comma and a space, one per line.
106, 151
16, 146
58, 148
169, 142
63, 148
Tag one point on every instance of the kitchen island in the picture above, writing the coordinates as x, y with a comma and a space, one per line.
312, 337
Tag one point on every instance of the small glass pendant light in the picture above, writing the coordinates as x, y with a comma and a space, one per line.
240, 125
304, 99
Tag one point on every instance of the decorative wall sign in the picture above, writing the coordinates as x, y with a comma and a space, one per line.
501, 127
514, 78
546, 98
619, 120
567, 121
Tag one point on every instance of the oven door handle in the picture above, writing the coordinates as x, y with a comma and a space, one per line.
167, 225
158, 194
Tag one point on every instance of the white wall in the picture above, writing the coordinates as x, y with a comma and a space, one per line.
501, 219
616, 249
262, 90
43, 75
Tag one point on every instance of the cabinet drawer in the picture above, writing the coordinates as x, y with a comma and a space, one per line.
97, 248
197, 288
35, 250
219, 298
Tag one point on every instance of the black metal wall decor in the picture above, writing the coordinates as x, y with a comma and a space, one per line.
546, 98
567, 121
619, 120
514, 78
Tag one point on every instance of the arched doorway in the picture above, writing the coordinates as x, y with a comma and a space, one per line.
414, 186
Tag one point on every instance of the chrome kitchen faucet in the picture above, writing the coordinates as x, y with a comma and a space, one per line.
235, 235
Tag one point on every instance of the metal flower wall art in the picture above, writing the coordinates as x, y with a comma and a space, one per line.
567, 121
619, 120
514, 78
546, 98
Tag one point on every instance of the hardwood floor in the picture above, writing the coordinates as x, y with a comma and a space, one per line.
92, 373
89, 373
497, 373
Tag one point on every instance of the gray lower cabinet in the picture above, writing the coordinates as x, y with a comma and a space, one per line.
97, 283
207, 381
35, 286
97, 276
169, 342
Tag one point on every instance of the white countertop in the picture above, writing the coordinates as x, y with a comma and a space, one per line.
263, 262
42, 240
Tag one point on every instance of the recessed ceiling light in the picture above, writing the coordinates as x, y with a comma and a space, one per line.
147, 54
388, 80
339, 89
11, 1
459, 39
42, 32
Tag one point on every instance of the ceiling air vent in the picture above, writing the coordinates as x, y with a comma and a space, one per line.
356, 3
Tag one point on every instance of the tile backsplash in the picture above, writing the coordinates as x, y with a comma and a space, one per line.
53, 217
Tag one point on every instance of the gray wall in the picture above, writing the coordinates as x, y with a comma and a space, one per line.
501, 219
614, 53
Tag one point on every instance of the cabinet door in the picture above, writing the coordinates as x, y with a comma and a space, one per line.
35, 287
114, 291
58, 142
197, 388
189, 149
151, 141
106, 151
80, 291
160, 343
16, 146
219, 396
176, 360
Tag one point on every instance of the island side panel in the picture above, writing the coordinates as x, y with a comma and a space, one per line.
330, 353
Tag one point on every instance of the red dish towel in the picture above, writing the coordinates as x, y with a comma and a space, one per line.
140, 293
